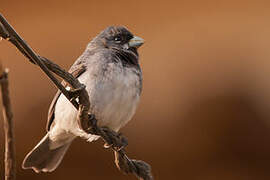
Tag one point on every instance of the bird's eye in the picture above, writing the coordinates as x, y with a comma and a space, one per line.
117, 39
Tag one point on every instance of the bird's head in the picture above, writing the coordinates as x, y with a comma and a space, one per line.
118, 37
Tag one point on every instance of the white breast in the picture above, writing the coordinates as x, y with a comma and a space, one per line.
114, 95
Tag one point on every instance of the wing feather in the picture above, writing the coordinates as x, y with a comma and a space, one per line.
76, 70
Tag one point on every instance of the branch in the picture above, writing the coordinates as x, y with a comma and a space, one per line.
10, 161
8, 33
87, 121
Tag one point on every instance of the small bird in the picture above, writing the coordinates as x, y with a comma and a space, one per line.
109, 68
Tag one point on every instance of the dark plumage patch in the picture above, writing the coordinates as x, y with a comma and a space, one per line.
127, 58
113, 32
116, 38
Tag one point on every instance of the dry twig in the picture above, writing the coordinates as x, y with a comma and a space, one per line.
86, 121
10, 161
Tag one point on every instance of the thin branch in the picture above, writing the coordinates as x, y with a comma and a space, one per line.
14, 37
86, 121
10, 161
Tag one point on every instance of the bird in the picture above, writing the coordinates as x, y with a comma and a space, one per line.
110, 70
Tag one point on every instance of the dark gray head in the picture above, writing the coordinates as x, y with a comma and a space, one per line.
117, 37
120, 42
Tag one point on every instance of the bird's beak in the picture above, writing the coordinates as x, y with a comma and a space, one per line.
135, 42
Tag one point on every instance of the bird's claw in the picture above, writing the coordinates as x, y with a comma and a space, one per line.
124, 142
92, 124
75, 93
92, 120
116, 140
116, 147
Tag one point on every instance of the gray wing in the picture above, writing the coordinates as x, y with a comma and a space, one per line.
77, 69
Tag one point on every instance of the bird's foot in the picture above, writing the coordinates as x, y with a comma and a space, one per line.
92, 125
75, 93
115, 140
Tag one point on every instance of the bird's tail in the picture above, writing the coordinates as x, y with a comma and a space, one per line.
44, 159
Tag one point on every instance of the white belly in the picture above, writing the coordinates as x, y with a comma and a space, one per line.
113, 97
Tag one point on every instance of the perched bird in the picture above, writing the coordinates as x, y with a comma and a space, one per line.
110, 70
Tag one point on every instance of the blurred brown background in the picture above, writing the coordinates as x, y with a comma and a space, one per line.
204, 111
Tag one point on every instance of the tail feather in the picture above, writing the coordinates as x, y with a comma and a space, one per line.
44, 159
